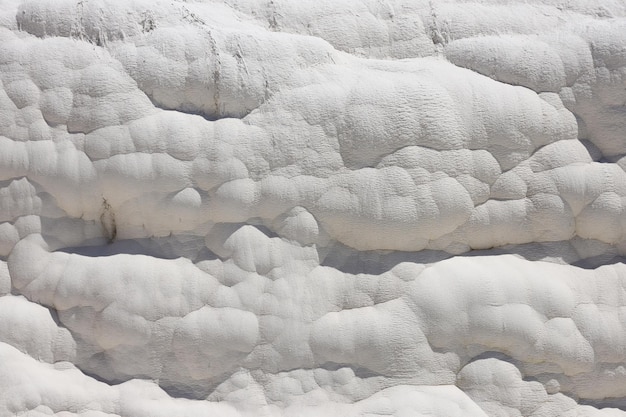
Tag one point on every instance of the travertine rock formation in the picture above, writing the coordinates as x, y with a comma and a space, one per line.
312, 208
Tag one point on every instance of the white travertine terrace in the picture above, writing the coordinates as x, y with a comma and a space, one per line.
312, 208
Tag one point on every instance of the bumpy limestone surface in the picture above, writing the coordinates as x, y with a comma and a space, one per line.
312, 208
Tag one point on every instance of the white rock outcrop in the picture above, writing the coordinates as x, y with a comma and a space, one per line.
312, 208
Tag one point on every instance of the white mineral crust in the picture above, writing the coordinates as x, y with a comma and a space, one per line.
291, 208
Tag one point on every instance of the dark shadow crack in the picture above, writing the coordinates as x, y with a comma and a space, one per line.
619, 403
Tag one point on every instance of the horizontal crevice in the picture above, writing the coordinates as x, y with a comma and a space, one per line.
191, 247
353, 261
193, 111
619, 403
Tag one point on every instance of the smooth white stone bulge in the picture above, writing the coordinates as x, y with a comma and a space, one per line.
312, 208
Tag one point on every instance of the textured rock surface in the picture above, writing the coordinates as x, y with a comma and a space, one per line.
312, 208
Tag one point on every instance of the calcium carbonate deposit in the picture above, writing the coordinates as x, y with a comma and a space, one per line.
283, 208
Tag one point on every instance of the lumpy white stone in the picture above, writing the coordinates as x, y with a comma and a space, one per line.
294, 208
